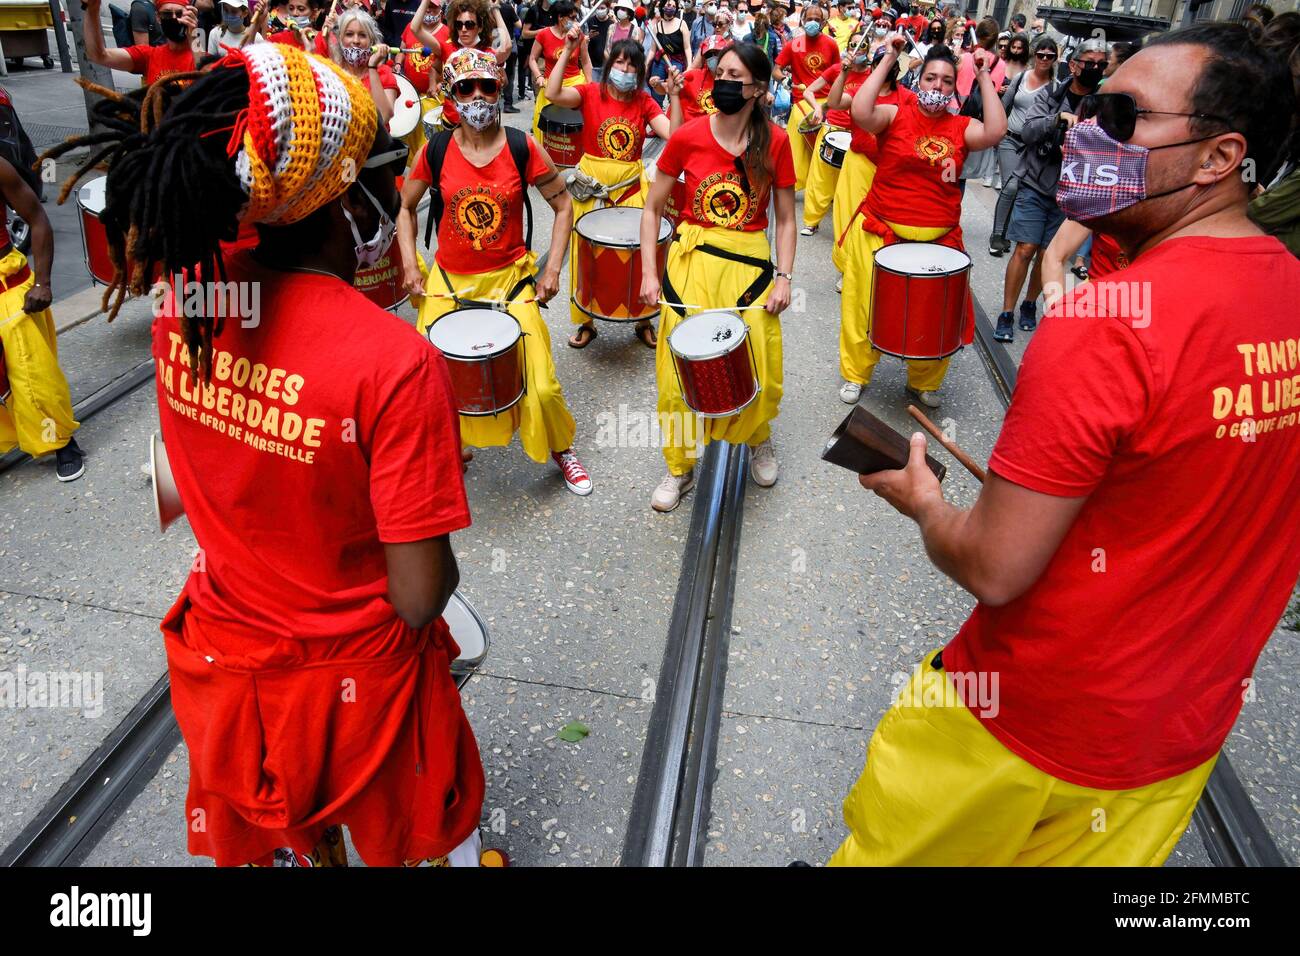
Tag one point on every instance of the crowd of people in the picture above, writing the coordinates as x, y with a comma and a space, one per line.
1171, 165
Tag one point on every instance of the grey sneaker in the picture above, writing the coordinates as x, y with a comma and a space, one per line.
850, 392
762, 466
928, 399
669, 493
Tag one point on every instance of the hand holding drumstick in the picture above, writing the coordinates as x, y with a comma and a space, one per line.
951, 446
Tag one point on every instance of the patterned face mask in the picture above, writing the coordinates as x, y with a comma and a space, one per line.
933, 100
479, 113
355, 55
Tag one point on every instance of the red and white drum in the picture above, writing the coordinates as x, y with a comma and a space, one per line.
470, 633
919, 300
484, 349
561, 134
834, 145
608, 259
434, 123
808, 128
94, 238
715, 363
382, 284
407, 110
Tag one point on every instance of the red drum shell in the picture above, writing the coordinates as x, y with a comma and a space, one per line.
94, 238
608, 282
382, 284
561, 131
487, 377
720, 384
919, 300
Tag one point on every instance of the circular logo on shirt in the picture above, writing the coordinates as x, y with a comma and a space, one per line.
479, 216
706, 101
722, 200
814, 62
934, 149
417, 63
617, 138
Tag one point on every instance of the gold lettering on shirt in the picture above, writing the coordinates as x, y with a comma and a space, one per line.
1269, 399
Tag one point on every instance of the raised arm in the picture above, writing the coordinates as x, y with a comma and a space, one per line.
96, 52
564, 96
866, 114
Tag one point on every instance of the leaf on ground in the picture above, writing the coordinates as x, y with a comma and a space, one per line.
573, 732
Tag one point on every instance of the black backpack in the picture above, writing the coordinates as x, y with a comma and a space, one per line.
121, 26
435, 152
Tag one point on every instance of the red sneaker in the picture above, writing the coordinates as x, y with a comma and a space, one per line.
576, 478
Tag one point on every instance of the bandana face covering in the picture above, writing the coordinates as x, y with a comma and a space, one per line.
933, 100
1100, 175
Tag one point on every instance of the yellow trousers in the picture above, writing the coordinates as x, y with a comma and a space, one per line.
607, 171
940, 790
704, 280
38, 415
798, 145
541, 417
415, 139
851, 188
857, 357
820, 190
540, 102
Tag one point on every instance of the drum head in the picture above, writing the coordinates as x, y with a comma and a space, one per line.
433, 117
406, 111
474, 333
553, 115
922, 258
467, 629
617, 226
90, 196
839, 139
707, 334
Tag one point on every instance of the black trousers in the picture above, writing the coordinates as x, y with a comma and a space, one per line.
511, 65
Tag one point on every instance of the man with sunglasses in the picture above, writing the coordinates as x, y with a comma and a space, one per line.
1135, 543
176, 18
1035, 216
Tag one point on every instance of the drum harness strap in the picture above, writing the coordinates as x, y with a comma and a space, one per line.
477, 304
436, 152
765, 267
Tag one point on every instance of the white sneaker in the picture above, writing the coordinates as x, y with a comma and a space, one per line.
762, 466
850, 392
808, 231
669, 493
839, 284
576, 478
928, 399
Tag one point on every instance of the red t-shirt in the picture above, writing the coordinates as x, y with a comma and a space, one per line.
860, 141
852, 83
697, 94
1127, 661
386, 79
482, 225
611, 128
1106, 256
416, 66
810, 59
329, 430
716, 191
154, 62
551, 46
916, 150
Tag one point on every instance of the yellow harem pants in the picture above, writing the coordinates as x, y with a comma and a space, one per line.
940, 790
608, 172
541, 417
820, 190
38, 415
540, 102
850, 189
857, 358
700, 279
798, 145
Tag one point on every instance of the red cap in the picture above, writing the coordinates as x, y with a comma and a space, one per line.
159, 4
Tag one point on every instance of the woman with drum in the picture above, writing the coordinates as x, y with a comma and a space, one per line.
358, 35
468, 27
483, 262
915, 197
615, 114
547, 46
835, 89
805, 57
720, 288
420, 63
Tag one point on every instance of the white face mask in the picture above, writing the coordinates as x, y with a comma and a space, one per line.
370, 251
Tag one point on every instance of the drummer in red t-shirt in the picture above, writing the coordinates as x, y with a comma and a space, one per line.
469, 26
696, 96
803, 59
914, 196
546, 53
482, 256
359, 48
421, 63
176, 19
1134, 544
615, 114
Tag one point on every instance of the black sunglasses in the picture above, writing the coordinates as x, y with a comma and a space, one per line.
1117, 114
1045, 55
466, 24
468, 87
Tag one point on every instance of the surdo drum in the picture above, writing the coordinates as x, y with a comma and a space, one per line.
561, 131
470, 634
834, 145
608, 258
94, 238
406, 110
434, 123
715, 363
382, 283
484, 349
919, 300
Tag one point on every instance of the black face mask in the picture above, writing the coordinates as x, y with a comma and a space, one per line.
1090, 75
173, 30
729, 96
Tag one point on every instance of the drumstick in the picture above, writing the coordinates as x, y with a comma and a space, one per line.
583, 22
953, 450
706, 308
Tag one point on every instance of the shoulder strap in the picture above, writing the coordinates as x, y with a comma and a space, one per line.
517, 143
435, 152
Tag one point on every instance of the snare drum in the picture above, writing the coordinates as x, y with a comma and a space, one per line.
433, 123
406, 111
834, 145
919, 294
382, 283
470, 634
714, 363
608, 260
561, 135
808, 128
484, 349
94, 238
